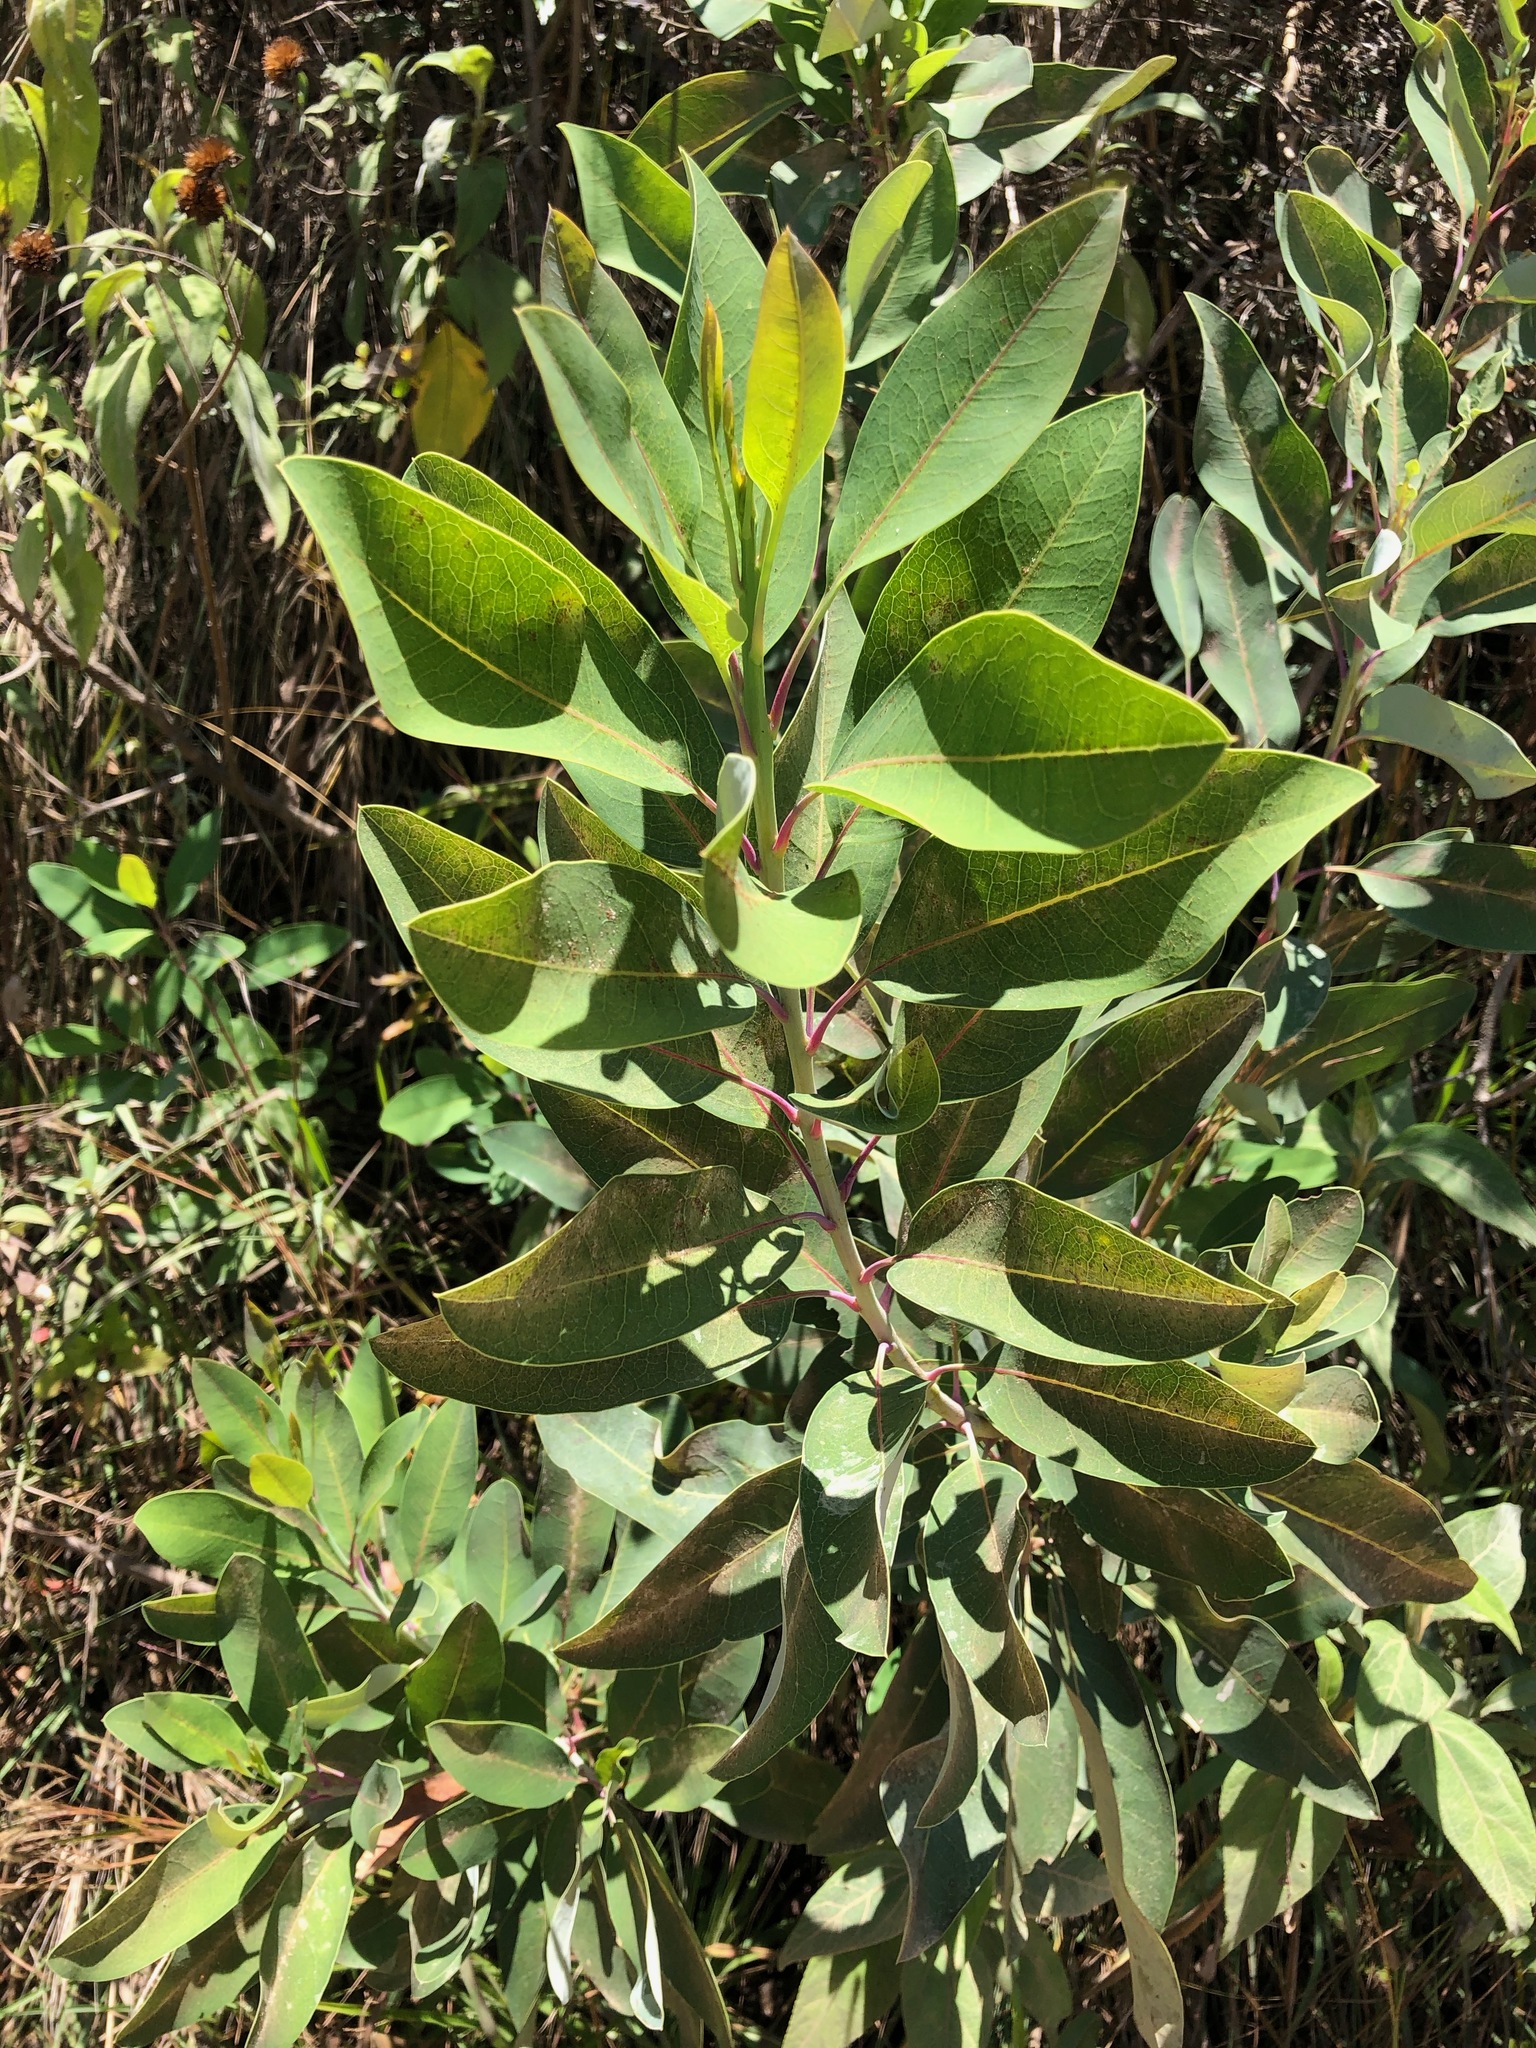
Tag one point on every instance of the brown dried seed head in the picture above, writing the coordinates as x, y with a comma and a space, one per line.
203, 197
280, 62
34, 251
213, 153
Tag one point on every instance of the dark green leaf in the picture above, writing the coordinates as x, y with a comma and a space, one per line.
1470, 893
1383, 1540
810, 1663
1182, 1533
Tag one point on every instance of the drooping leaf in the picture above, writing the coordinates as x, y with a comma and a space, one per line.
1141, 1086
1171, 564
719, 1584
266, 1655
1482, 753
1241, 652
999, 733
1383, 1540
1460, 1167
1165, 1424
947, 1864
912, 1710
1102, 1689
303, 1940
1037, 931
1038, 1272
810, 1664
1252, 457
1183, 1533
976, 384
1361, 1028
973, 1534
850, 1499
651, 1257
1473, 1792
1471, 893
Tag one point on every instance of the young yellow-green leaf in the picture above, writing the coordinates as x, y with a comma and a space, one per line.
1483, 754
651, 1257
505, 1763
1468, 892
499, 652
1141, 1086
582, 956
810, 1663
977, 383
1183, 1533
283, 1481
795, 379
1252, 457
1000, 735
1037, 931
1159, 1424
719, 1584
1051, 538
1361, 1028
1240, 652
640, 220
1041, 1273
1380, 1538
1472, 1790
135, 881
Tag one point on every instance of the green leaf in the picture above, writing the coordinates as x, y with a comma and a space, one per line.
1474, 1794
610, 1138
1338, 1411
1166, 1424
1238, 1683
1483, 754
973, 1536
1140, 1087
422, 866
192, 1883
266, 1655
795, 380
794, 941
582, 956
1104, 1692
302, 1941
709, 118
1494, 586
1436, 93
1471, 893
504, 651
913, 1708
680, 1952
901, 1095
1181, 1532
810, 1663
899, 248
981, 1051
178, 1731
1051, 538
719, 1584
117, 392
201, 1531
842, 1998
850, 1499
1360, 1029
651, 1257
427, 1355
1252, 457
283, 1481
948, 1863
638, 218
21, 162
1171, 562
998, 736
1465, 1171
204, 1977
975, 1140
427, 1110
1401, 1683
1499, 499
289, 950
497, 1571
435, 1497
1329, 261
1038, 1272
1241, 652
1036, 931
1275, 1844
628, 444
1378, 1537
505, 1763
863, 1902
976, 384
461, 1678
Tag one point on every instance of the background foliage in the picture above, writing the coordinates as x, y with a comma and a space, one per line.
237, 1150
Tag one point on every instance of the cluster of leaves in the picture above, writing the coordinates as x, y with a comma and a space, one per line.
887, 969
198, 1155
